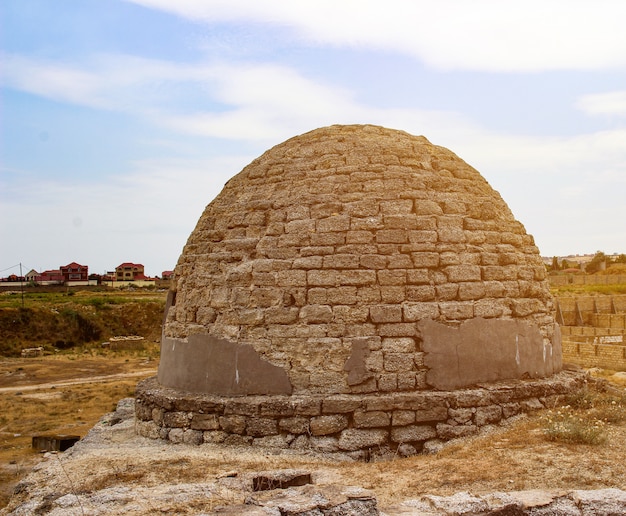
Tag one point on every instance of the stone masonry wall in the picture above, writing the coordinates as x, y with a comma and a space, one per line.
341, 241
360, 425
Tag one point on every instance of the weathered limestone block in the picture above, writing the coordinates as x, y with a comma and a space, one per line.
294, 425
176, 435
326, 425
194, 437
371, 419
233, 424
205, 422
259, 427
488, 415
412, 433
447, 432
176, 419
358, 439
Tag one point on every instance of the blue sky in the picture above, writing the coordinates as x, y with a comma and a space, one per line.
120, 120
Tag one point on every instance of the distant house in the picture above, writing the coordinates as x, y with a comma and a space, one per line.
51, 277
32, 275
167, 275
129, 272
74, 272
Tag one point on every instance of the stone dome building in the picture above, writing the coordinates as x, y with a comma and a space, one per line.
343, 270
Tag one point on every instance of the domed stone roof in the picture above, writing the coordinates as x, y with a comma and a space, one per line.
357, 259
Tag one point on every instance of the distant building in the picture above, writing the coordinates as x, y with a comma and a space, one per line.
51, 277
32, 275
74, 272
129, 272
167, 275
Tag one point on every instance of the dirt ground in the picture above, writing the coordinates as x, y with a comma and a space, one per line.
58, 394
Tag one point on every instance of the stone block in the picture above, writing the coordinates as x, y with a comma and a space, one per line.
412, 433
326, 425
420, 293
294, 425
391, 236
392, 295
341, 295
427, 207
353, 439
334, 223
431, 414
323, 444
194, 437
148, 429
340, 405
359, 237
321, 278
400, 261
176, 419
415, 311
402, 417
457, 310
300, 226
386, 314
407, 381
447, 432
276, 407
373, 261
489, 308
488, 415
350, 314
291, 278
306, 406
157, 416
460, 416
398, 344
425, 260
233, 424
356, 277
459, 273
176, 435
259, 427
471, 290
397, 362
392, 277
281, 314
341, 261
204, 422
330, 382
374, 419
316, 314
388, 382
397, 330
396, 207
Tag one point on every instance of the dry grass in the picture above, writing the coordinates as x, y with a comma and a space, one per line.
66, 409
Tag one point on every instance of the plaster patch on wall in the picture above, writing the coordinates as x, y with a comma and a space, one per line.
483, 350
219, 366
355, 365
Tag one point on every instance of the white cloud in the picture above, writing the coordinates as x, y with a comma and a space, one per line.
144, 216
610, 103
487, 35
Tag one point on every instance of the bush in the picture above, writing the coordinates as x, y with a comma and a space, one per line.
567, 427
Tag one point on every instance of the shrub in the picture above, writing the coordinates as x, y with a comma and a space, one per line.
567, 427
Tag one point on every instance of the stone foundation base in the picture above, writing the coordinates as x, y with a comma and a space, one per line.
362, 426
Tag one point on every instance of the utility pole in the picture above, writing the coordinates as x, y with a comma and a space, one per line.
22, 284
